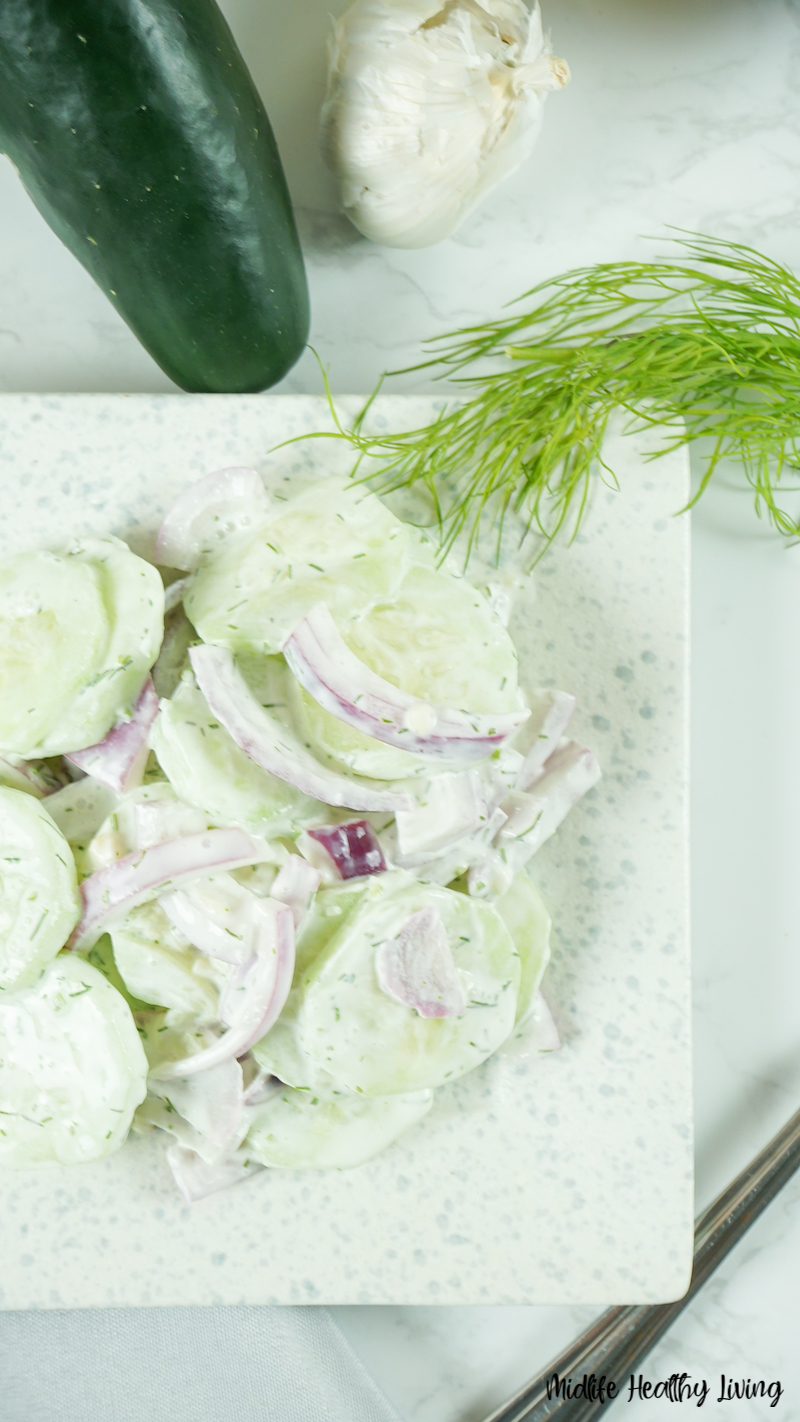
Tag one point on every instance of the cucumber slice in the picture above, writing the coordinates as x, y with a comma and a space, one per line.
158, 967
166, 1040
12, 778
101, 956
334, 543
79, 631
373, 1044
330, 1128
39, 899
134, 597
437, 639
72, 1070
80, 808
529, 924
54, 628
344, 748
206, 767
19, 774
279, 1052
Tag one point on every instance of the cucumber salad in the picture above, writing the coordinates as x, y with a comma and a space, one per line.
263, 835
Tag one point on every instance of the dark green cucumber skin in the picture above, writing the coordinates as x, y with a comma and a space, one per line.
139, 134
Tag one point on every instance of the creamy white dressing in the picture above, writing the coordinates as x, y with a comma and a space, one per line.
406, 975
72, 1069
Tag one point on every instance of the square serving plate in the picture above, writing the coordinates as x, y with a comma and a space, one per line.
562, 1179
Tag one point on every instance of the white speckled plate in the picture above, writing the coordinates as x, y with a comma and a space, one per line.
566, 1179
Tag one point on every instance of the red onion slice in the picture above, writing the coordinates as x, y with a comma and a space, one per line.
536, 814
227, 501
350, 850
173, 595
231, 998
120, 758
551, 712
196, 1179
416, 968
262, 1088
542, 1033
113, 891
275, 747
254, 999
212, 1104
493, 874
155, 821
341, 683
294, 885
536, 1032
226, 935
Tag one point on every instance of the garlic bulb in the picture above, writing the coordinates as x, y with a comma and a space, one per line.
429, 106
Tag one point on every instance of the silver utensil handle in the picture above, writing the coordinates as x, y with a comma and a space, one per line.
617, 1342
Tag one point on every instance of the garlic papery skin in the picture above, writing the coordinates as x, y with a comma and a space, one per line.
429, 106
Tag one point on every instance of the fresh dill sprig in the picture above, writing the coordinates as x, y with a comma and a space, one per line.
708, 347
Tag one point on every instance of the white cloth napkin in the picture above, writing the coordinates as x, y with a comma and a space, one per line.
183, 1365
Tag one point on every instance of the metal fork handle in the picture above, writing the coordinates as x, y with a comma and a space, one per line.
620, 1339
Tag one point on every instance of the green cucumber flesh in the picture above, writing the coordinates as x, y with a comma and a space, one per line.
416, 640
72, 1070
79, 631
206, 767
280, 1052
134, 598
44, 599
157, 967
352, 1029
330, 1128
39, 899
529, 923
335, 543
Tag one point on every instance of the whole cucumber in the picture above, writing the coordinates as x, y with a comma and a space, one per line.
139, 134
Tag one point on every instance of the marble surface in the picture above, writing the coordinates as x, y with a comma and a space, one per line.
683, 114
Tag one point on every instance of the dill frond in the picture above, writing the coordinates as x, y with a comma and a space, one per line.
706, 347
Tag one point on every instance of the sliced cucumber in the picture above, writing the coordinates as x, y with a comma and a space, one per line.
54, 629
101, 956
167, 1040
206, 767
279, 1052
330, 1128
362, 1037
437, 639
72, 1070
39, 899
345, 748
334, 543
529, 923
134, 598
15, 775
80, 808
78, 632
157, 965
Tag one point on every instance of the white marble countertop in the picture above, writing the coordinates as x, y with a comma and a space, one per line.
685, 114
